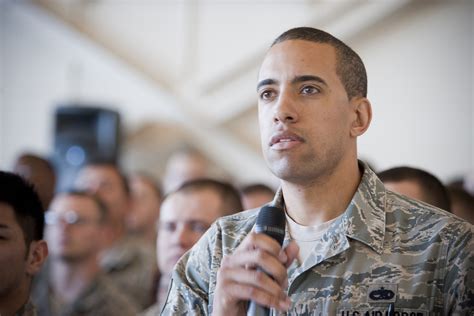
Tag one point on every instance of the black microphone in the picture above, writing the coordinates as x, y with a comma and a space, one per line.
271, 221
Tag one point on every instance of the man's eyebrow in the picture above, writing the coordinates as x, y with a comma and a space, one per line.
296, 79
265, 82
4, 226
304, 78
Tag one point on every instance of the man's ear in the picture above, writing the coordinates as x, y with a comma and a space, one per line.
37, 254
363, 115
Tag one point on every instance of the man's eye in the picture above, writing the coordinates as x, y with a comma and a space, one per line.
199, 227
266, 95
309, 90
168, 226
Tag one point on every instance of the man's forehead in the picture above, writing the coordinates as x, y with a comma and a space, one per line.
193, 204
99, 175
79, 203
297, 57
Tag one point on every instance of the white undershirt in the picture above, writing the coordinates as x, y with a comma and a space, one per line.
305, 236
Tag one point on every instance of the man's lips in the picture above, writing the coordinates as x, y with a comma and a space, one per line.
285, 140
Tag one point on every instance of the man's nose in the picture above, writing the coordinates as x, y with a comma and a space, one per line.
182, 236
285, 109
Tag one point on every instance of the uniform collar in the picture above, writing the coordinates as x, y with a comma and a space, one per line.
364, 218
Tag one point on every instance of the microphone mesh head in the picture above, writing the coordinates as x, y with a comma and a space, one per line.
271, 221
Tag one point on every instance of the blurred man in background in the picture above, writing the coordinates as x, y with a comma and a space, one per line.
22, 248
40, 173
73, 283
417, 184
185, 216
126, 262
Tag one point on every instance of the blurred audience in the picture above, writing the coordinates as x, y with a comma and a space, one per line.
72, 283
127, 262
185, 216
462, 203
256, 195
417, 184
22, 248
146, 200
40, 173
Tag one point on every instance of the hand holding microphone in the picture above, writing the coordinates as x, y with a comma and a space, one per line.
256, 271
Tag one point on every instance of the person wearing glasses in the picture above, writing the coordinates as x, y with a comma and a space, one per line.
73, 283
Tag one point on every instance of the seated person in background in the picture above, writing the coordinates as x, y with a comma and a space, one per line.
127, 263
73, 283
146, 200
256, 195
185, 215
417, 184
462, 203
22, 248
40, 173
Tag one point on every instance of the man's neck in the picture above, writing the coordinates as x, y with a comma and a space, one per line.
322, 199
15, 299
115, 232
70, 279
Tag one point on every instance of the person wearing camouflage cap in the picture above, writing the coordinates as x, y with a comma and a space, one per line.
351, 246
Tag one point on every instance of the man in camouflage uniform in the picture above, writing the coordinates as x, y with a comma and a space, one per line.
72, 282
22, 248
376, 252
185, 215
126, 261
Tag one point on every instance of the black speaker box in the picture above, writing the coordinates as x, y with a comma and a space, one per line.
83, 134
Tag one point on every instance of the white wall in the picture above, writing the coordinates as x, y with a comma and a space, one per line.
419, 62
44, 64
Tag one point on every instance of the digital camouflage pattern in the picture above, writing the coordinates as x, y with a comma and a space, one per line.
130, 267
386, 255
101, 298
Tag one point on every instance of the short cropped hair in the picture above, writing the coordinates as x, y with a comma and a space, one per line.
22, 197
349, 66
40, 172
229, 195
122, 176
434, 191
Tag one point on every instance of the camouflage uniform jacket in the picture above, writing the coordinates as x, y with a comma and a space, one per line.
386, 255
101, 298
131, 267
